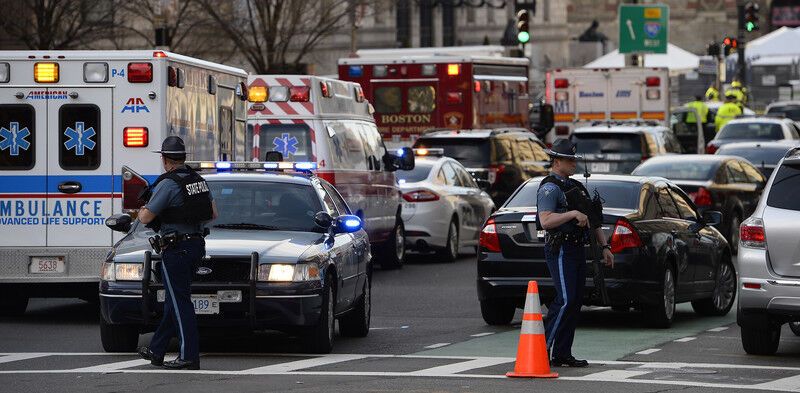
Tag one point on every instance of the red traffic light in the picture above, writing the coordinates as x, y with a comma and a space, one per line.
726, 41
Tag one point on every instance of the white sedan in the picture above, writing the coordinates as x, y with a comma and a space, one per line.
443, 208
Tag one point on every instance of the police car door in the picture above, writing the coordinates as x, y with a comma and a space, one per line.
79, 178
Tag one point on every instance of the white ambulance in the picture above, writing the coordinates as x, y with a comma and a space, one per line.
330, 122
580, 96
76, 133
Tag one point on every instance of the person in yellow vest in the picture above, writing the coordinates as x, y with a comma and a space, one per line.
728, 111
738, 90
712, 94
701, 108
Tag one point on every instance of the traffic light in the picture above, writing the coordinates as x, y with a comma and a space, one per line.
729, 44
713, 49
523, 20
751, 16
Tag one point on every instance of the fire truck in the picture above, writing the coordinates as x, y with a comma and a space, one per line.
414, 90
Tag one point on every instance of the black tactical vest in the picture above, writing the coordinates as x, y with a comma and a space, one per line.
577, 197
196, 206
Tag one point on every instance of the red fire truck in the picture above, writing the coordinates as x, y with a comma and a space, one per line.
414, 90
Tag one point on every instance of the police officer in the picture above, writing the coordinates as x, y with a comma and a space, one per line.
727, 111
567, 233
739, 91
178, 208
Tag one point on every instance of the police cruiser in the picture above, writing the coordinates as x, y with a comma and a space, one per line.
284, 253
76, 131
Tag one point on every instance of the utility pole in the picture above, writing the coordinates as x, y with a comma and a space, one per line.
742, 43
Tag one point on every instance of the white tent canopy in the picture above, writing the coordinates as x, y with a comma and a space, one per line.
780, 45
676, 59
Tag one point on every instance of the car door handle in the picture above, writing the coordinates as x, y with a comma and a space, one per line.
70, 187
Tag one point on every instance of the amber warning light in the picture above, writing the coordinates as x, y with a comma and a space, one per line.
45, 72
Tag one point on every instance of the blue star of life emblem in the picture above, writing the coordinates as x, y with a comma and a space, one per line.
286, 144
80, 138
14, 138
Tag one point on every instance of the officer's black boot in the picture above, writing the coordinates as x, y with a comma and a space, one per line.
146, 354
180, 364
568, 362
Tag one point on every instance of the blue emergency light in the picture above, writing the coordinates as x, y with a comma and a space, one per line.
222, 165
305, 166
352, 223
355, 71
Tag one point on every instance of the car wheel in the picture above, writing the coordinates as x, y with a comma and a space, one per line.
761, 338
394, 250
795, 326
319, 339
724, 293
12, 305
733, 236
450, 251
118, 338
498, 312
356, 323
661, 314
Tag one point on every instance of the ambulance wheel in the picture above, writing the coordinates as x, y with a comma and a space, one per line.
319, 339
118, 338
394, 250
356, 322
13, 305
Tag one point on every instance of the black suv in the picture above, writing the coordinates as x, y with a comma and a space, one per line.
503, 157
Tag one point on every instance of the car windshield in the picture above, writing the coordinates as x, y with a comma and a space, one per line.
756, 131
790, 111
615, 194
265, 205
597, 143
470, 152
420, 172
678, 170
756, 155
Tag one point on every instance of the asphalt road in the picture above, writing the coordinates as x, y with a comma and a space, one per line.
427, 335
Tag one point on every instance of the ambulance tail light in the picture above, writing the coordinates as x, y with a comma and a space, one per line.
299, 93
561, 83
140, 72
135, 137
652, 81
454, 97
45, 72
132, 186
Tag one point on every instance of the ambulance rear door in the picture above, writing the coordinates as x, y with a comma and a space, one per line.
625, 94
79, 169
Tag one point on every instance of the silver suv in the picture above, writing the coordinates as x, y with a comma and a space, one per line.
769, 261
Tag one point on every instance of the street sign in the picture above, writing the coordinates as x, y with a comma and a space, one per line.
643, 28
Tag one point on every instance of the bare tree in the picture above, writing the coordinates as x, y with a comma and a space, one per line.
275, 35
57, 24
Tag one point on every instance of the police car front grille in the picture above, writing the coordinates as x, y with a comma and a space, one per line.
217, 270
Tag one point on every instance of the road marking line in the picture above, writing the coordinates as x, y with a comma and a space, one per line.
302, 364
439, 345
15, 357
109, 367
614, 375
718, 329
461, 367
482, 334
685, 339
648, 351
791, 384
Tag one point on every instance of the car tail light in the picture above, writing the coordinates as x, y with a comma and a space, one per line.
561, 83
421, 196
135, 137
132, 186
495, 170
702, 198
751, 233
454, 97
299, 93
624, 237
140, 72
489, 239
45, 72
652, 81
711, 148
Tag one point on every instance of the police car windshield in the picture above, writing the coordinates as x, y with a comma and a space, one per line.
420, 172
754, 131
615, 194
265, 205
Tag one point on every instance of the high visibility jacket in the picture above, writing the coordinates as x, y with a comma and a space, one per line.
727, 112
740, 97
702, 111
712, 94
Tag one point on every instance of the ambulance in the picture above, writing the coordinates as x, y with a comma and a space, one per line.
330, 122
581, 96
77, 130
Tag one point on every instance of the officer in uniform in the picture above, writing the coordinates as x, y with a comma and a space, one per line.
178, 208
567, 234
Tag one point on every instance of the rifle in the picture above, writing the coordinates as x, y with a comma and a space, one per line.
595, 216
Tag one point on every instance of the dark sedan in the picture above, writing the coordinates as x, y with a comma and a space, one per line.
764, 155
665, 253
728, 184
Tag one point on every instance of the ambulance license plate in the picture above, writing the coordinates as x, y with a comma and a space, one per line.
47, 265
205, 304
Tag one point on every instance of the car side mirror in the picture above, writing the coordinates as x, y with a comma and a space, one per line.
712, 218
119, 222
347, 223
483, 184
323, 220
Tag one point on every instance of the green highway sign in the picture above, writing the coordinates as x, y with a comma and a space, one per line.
643, 28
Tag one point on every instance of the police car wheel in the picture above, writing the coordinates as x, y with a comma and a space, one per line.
118, 338
394, 250
356, 322
450, 251
319, 339
13, 306
497, 312
661, 314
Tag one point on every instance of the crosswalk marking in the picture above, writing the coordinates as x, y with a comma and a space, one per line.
614, 375
790, 384
482, 334
648, 351
718, 329
685, 339
439, 345
461, 367
15, 357
109, 367
303, 364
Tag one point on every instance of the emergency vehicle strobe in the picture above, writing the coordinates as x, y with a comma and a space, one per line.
76, 133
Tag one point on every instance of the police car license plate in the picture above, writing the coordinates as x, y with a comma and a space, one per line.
205, 304
47, 265
600, 167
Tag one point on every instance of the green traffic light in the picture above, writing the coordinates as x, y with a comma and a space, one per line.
750, 26
523, 37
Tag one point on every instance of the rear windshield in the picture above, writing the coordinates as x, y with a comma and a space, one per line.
419, 173
621, 195
596, 143
756, 155
792, 112
678, 170
756, 131
470, 152
783, 192
291, 140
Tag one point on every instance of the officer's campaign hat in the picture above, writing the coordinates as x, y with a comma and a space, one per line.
564, 148
173, 147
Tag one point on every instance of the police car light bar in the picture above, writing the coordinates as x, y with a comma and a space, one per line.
225, 166
425, 152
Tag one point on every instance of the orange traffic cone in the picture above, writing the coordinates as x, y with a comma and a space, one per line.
532, 359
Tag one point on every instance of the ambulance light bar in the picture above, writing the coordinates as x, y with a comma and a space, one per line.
45, 72
257, 94
425, 152
226, 166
